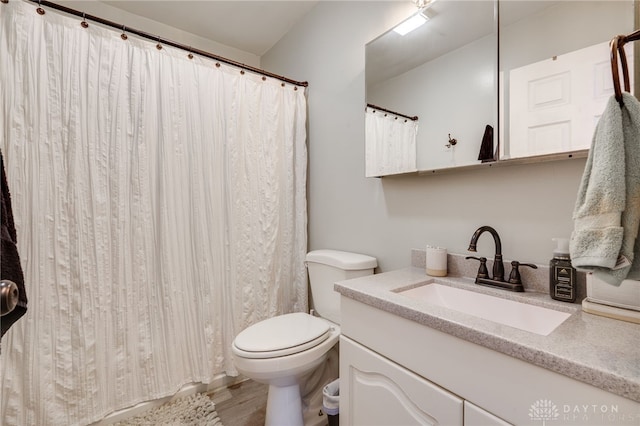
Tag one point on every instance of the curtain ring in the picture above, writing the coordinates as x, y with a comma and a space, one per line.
123, 35
190, 55
39, 9
159, 46
84, 22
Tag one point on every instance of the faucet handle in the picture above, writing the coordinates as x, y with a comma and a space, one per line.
514, 277
482, 270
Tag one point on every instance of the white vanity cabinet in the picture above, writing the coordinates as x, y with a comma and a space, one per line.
380, 392
377, 391
396, 371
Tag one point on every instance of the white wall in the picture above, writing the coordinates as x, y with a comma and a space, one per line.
527, 204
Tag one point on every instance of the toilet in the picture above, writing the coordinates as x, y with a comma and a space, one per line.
284, 351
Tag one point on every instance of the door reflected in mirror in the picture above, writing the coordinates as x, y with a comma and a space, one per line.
555, 72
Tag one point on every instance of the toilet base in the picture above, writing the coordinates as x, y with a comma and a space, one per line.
284, 406
300, 403
295, 381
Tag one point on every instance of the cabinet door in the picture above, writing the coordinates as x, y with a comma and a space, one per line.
377, 392
476, 416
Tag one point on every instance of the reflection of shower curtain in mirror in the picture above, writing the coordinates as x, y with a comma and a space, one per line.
161, 208
390, 142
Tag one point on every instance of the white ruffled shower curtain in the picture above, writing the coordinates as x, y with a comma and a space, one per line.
160, 207
390, 143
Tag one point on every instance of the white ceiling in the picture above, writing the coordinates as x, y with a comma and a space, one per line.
250, 26
452, 24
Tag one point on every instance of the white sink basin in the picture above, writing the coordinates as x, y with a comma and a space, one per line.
523, 316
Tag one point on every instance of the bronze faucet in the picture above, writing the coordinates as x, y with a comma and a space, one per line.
498, 267
514, 283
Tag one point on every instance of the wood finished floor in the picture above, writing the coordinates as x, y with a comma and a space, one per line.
243, 404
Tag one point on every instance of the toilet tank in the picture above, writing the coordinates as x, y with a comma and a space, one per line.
329, 266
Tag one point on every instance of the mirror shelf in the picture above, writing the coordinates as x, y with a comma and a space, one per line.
565, 156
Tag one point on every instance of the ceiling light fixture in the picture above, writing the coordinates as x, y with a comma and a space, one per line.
421, 4
411, 24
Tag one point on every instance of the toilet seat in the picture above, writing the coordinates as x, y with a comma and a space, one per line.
280, 336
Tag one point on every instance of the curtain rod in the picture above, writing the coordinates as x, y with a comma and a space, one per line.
414, 118
160, 40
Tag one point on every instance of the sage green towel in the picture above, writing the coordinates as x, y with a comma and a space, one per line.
607, 211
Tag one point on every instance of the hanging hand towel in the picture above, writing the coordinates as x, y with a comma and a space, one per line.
607, 212
486, 146
10, 268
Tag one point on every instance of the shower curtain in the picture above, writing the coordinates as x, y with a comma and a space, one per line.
160, 208
390, 143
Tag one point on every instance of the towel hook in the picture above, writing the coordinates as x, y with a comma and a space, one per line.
452, 142
617, 48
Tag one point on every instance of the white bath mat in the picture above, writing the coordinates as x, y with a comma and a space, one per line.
193, 410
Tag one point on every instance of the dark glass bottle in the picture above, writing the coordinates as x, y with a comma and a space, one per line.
562, 276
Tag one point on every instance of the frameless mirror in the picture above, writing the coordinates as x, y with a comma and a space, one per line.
445, 74
555, 72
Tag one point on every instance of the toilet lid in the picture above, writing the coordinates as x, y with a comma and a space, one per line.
282, 335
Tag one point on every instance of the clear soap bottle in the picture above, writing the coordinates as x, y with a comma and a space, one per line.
562, 276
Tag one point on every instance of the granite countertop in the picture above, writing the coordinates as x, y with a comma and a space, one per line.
596, 350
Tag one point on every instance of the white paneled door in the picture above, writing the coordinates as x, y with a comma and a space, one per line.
556, 103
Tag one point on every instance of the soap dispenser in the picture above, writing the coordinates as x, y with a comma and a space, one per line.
562, 276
